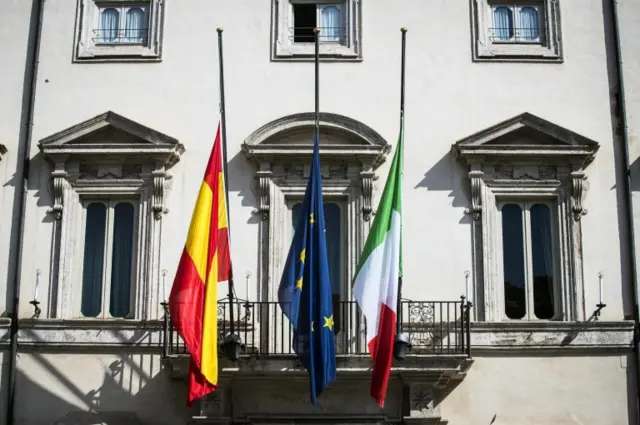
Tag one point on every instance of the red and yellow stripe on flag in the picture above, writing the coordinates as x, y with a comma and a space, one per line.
205, 262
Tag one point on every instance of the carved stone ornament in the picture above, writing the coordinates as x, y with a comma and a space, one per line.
475, 180
579, 188
83, 155
3, 150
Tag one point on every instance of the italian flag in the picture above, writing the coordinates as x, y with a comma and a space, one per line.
377, 277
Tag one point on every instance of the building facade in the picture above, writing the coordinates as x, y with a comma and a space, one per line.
520, 284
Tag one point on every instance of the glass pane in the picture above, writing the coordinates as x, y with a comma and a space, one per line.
331, 25
502, 24
333, 223
108, 31
121, 259
135, 27
93, 260
529, 24
542, 257
513, 260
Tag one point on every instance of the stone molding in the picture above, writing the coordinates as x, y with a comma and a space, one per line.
107, 155
526, 157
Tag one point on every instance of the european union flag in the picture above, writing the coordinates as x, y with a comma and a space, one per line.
305, 290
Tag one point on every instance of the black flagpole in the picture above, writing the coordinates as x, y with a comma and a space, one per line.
402, 72
223, 134
317, 88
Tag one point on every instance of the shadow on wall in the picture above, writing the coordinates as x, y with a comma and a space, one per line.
242, 184
449, 175
116, 401
127, 394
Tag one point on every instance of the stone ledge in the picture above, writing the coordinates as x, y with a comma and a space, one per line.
90, 335
560, 337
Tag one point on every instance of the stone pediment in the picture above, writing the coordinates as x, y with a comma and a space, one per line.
112, 134
292, 137
527, 138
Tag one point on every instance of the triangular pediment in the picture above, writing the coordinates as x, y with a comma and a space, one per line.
526, 136
108, 128
526, 129
111, 134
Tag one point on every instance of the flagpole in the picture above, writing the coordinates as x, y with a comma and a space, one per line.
223, 134
402, 74
316, 32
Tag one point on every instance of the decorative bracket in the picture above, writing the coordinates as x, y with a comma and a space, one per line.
579, 188
475, 179
367, 177
264, 184
159, 176
60, 184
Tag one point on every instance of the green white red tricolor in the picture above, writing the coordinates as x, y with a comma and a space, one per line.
377, 277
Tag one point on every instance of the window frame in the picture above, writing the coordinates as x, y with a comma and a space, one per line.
122, 10
110, 203
515, 10
130, 161
285, 49
526, 203
548, 49
86, 49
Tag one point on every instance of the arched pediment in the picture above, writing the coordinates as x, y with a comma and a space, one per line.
292, 137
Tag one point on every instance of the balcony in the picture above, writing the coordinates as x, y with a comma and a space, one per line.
437, 334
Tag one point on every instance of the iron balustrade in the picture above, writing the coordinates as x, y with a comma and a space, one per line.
433, 327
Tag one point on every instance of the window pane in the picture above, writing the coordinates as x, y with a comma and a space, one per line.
513, 260
502, 23
93, 260
331, 25
542, 257
304, 21
121, 259
108, 31
529, 24
135, 26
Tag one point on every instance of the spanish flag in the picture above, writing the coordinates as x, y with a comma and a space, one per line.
205, 263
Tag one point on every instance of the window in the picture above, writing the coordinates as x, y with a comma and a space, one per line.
527, 180
108, 260
335, 250
516, 24
517, 31
338, 21
109, 184
528, 260
119, 30
328, 18
123, 25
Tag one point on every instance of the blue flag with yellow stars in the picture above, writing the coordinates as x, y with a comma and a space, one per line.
305, 290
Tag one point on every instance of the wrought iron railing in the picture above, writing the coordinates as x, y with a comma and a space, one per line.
432, 327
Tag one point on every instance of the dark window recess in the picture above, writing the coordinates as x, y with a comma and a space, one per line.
304, 20
513, 260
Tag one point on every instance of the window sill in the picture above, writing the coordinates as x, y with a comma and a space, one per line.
306, 52
505, 52
117, 53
